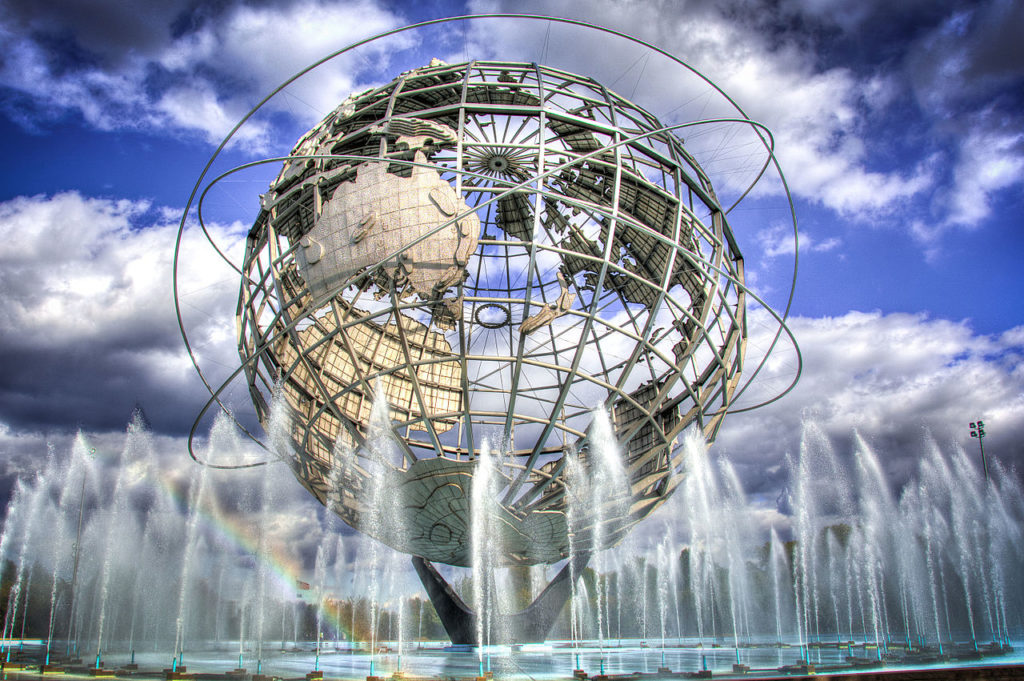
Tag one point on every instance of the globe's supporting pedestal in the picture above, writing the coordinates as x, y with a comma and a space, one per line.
483, 253
531, 624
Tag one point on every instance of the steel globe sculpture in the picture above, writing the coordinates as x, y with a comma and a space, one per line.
495, 249
490, 263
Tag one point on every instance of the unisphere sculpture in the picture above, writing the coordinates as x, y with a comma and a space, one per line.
465, 274
496, 249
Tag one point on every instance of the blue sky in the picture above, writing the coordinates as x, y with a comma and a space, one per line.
900, 127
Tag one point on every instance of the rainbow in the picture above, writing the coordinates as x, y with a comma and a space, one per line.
234, 534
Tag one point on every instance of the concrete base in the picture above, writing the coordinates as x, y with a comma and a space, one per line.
314, 676
102, 673
51, 669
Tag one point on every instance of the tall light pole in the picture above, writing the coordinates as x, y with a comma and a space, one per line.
978, 431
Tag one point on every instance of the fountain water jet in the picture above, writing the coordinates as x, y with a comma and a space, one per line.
191, 537
485, 543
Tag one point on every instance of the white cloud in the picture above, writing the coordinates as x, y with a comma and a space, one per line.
988, 160
261, 46
79, 268
820, 123
897, 384
778, 240
819, 117
196, 106
991, 158
88, 312
201, 81
888, 377
202, 78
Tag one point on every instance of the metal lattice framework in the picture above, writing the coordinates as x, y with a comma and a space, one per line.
581, 260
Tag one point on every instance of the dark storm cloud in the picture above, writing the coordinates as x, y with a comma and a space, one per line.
102, 31
996, 48
94, 387
971, 57
982, 36
875, 27
965, 69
